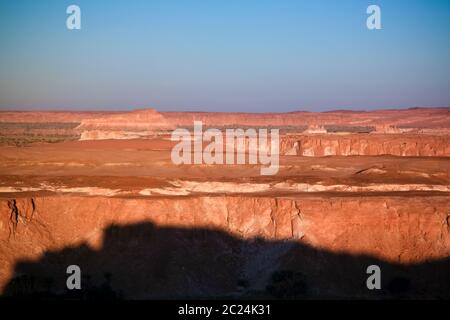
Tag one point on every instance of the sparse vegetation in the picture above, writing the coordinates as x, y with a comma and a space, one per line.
21, 141
22, 134
340, 129
38, 125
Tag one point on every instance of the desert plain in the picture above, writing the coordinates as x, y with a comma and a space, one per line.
99, 190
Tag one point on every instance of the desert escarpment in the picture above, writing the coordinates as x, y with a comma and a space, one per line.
401, 118
407, 118
126, 125
365, 145
389, 229
414, 125
352, 189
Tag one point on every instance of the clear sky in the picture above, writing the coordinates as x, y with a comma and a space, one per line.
224, 55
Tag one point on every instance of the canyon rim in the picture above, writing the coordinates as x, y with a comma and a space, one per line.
107, 197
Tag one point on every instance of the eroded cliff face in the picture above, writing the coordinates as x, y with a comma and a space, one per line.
125, 125
225, 245
365, 145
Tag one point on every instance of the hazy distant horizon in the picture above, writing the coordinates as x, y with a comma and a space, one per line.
206, 111
224, 56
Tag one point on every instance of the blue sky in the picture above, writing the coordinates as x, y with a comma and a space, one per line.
224, 55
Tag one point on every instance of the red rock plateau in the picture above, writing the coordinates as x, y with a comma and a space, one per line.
99, 190
127, 125
408, 118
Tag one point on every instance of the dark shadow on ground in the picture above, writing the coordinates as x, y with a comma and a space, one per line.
145, 261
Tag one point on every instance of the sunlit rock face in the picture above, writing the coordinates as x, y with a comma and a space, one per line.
349, 194
387, 121
126, 125
170, 240
366, 145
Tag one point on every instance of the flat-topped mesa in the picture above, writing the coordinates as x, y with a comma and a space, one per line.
124, 125
429, 118
147, 119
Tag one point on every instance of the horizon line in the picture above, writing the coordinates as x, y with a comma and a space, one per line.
131, 109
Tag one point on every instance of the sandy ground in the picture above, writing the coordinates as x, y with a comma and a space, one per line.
129, 167
118, 205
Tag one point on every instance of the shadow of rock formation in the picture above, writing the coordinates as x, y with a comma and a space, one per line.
144, 261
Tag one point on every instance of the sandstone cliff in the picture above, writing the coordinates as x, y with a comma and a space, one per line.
210, 246
406, 118
365, 145
127, 125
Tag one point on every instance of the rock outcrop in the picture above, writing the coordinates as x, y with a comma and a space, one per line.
365, 145
126, 125
140, 225
406, 118
165, 248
